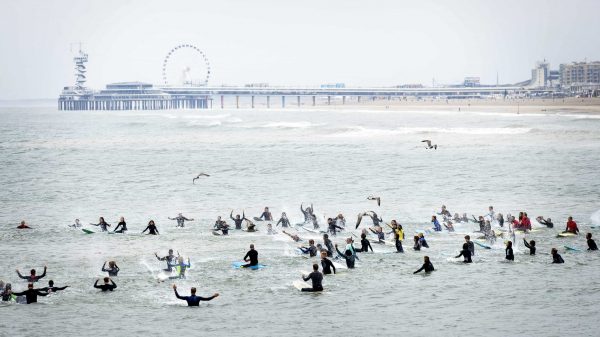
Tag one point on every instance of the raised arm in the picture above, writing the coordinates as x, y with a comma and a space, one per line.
179, 297
208, 298
21, 276
96, 285
104, 267
332, 266
43, 274
231, 215
526, 244
369, 243
113, 283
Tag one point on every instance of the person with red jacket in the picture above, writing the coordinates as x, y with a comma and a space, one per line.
23, 225
571, 226
525, 222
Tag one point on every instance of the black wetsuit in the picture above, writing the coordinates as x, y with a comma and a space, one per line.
466, 254
349, 259
329, 246
546, 223
311, 250
556, 258
103, 226
380, 235
151, 230
167, 258
238, 222
333, 227
31, 294
317, 279
376, 220
471, 246
509, 254
31, 278
501, 221
253, 255
123, 227
106, 286
365, 245
592, 244
193, 301
111, 271
266, 216
327, 266
531, 248
285, 222
428, 267
423, 242
53, 289
181, 220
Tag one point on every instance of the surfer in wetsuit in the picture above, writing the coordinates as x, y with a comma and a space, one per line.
328, 245
23, 225
308, 212
193, 300
77, 224
112, 269
423, 241
32, 276
311, 249
348, 255
571, 226
509, 251
364, 244
106, 286
546, 222
284, 221
7, 293
590, 242
250, 226
417, 243
252, 257
530, 245
379, 232
333, 226
465, 253
31, 294
151, 228
427, 266
181, 220
102, 224
470, 244
266, 215
51, 288
294, 237
317, 280
436, 224
326, 264
167, 258
180, 267
556, 258
237, 220
398, 236
121, 226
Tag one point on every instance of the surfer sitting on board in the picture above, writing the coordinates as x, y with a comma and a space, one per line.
102, 224
284, 221
266, 215
427, 266
436, 224
193, 300
317, 279
423, 241
252, 256
121, 226
571, 226
311, 249
151, 228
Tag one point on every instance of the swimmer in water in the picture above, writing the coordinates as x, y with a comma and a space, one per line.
23, 225
590, 242
51, 288
365, 245
180, 220
556, 258
427, 266
328, 245
348, 256
32, 275
423, 241
266, 215
151, 228
379, 232
500, 219
311, 249
283, 220
77, 224
445, 212
238, 220
530, 245
417, 244
308, 212
326, 264
465, 253
470, 244
252, 257
546, 222
102, 224
317, 280
294, 237
121, 226
169, 258
333, 226
270, 230
106, 286
509, 251
436, 224
112, 269
571, 226
193, 300
31, 294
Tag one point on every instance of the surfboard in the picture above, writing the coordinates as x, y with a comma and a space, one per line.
257, 219
298, 284
572, 248
239, 264
88, 231
565, 235
216, 233
340, 266
482, 245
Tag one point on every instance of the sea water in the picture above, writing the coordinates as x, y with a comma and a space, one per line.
57, 166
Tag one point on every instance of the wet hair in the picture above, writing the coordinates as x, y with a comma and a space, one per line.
193, 290
102, 219
311, 241
315, 267
467, 237
51, 283
465, 246
170, 251
326, 236
416, 238
509, 244
151, 222
106, 280
348, 252
32, 271
588, 236
363, 236
30, 285
532, 243
251, 245
426, 258
554, 251
111, 264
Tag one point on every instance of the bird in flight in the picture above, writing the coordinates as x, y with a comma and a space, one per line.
375, 198
198, 177
429, 146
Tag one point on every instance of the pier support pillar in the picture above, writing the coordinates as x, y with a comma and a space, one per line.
268, 102
283, 101
343, 99
252, 102
237, 102
314, 100
222, 102
358, 99
298, 101
328, 100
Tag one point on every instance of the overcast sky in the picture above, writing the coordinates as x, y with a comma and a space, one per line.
305, 42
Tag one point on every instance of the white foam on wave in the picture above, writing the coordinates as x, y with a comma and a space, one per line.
595, 218
581, 116
290, 125
220, 116
360, 131
204, 123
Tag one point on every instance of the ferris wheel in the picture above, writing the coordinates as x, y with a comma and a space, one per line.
186, 65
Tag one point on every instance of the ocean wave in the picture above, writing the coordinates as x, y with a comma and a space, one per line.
289, 125
208, 124
360, 131
195, 116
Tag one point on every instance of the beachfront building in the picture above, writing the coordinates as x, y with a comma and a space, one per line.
578, 73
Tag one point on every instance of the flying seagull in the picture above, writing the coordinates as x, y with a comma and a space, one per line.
198, 177
429, 146
375, 198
